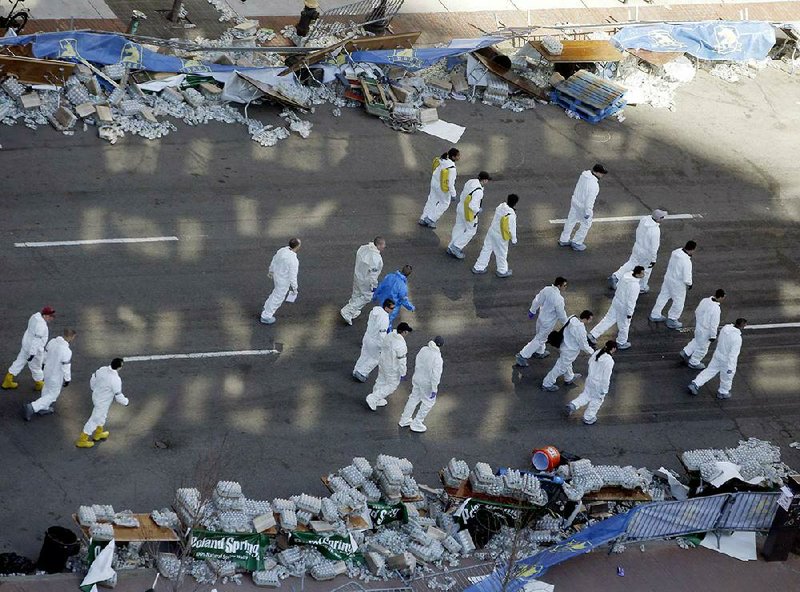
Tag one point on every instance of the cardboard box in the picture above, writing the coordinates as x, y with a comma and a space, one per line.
84, 110
104, 113
428, 116
440, 83
30, 100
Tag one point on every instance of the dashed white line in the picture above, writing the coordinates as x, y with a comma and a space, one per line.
632, 218
774, 326
99, 241
198, 355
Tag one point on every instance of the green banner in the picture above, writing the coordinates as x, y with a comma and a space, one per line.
246, 550
381, 513
332, 546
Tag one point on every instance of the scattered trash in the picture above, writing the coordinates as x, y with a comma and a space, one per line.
620, 571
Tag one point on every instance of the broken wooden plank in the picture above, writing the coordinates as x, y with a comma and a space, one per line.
578, 51
36, 71
488, 56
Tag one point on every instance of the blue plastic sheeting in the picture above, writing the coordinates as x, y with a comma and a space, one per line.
706, 40
534, 566
417, 59
109, 49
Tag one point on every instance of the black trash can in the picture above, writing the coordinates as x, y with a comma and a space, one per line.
59, 544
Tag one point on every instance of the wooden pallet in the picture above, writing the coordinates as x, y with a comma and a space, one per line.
590, 96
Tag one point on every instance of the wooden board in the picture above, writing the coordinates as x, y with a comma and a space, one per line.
35, 71
577, 51
147, 531
657, 58
616, 494
486, 57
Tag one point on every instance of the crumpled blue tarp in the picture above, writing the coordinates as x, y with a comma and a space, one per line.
706, 40
417, 59
107, 49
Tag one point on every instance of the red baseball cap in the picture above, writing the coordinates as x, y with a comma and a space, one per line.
48, 310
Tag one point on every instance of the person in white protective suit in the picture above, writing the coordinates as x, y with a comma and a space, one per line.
424, 385
57, 374
32, 350
724, 360
574, 340
443, 188
706, 325
377, 327
645, 250
392, 366
106, 388
369, 264
283, 270
502, 230
467, 212
598, 380
621, 310
548, 308
581, 208
677, 279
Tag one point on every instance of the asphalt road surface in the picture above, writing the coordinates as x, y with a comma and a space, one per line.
276, 423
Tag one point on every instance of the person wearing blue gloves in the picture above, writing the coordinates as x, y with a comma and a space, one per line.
395, 286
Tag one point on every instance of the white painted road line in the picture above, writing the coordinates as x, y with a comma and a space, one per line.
220, 354
632, 218
99, 241
774, 326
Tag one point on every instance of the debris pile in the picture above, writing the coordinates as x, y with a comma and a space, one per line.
756, 459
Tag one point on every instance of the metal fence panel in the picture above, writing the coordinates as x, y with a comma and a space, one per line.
666, 519
456, 580
752, 510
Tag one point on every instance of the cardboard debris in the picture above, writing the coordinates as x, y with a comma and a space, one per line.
428, 115
84, 110
30, 101
104, 113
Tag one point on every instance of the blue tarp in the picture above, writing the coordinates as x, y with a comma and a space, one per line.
109, 49
706, 40
534, 566
417, 59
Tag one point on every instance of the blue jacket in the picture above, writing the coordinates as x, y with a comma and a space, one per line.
394, 286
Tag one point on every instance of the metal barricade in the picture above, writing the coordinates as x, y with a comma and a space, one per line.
454, 580
730, 511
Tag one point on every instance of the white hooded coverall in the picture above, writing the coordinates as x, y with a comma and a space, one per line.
724, 360
283, 271
596, 386
392, 365
106, 388
706, 324
494, 241
581, 208
550, 304
677, 279
33, 342
377, 325
574, 341
463, 229
424, 384
57, 371
438, 200
622, 307
369, 264
645, 250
